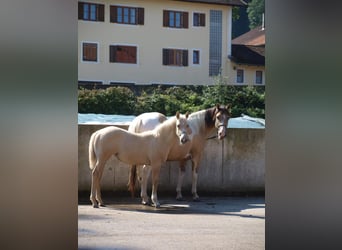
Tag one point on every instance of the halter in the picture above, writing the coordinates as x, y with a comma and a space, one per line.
214, 136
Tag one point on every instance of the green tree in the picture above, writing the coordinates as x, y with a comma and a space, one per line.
255, 10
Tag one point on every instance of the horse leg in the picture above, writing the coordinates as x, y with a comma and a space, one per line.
155, 182
195, 166
181, 174
94, 184
93, 188
98, 189
146, 170
95, 195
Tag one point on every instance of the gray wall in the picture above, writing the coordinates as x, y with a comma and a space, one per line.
234, 165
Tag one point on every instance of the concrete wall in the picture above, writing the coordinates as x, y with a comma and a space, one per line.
236, 164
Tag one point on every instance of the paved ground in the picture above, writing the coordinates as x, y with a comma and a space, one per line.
212, 223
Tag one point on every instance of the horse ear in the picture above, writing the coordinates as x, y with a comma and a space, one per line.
217, 106
187, 114
229, 106
177, 115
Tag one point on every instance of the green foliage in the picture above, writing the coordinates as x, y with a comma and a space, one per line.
249, 100
255, 10
113, 100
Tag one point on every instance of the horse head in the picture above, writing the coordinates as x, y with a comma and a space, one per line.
221, 117
183, 129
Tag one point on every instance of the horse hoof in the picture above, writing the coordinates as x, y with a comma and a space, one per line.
95, 206
156, 205
102, 205
145, 203
180, 198
196, 199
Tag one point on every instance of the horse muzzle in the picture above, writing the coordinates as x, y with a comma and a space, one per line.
221, 132
184, 138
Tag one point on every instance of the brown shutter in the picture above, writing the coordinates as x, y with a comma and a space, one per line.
202, 19
100, 12
141, 16
113, 14
166, 18
93, 52
112, 52
185, 20
165, 56
185, 57
84, 52
80, 10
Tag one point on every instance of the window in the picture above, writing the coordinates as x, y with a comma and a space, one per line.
91, 12
126, 15
215, 42
239, 76
258, 77
122, 54
195, 57
199, 19
89, 52
175, 57
175, 19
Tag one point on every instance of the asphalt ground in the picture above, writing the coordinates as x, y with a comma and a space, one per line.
215, 222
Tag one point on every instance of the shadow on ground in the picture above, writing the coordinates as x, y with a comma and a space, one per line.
220, 205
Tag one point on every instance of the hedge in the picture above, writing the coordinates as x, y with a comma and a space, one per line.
249, 100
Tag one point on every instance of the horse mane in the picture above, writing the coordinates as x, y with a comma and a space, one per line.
209, 117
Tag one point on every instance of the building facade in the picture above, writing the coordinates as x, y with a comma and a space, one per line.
248, 58
154, 42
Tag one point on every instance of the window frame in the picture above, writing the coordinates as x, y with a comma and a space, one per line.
201, 19
175, 57
97, 52
237, 76
99, 11
256, 77
199, 57
112, 59
139, 15
183, 19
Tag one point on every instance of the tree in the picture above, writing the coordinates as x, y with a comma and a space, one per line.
255, 10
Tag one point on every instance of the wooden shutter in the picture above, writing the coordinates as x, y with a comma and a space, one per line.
112, 52
80, 10
166, 18
100, 12
113, 14
141, 16
185, 57
165, 56
89, 52
202, 19
185, 20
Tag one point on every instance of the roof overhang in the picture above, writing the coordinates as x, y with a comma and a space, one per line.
248, 55
218, 2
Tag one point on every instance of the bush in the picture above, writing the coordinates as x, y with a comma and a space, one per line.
113, 100
248, 100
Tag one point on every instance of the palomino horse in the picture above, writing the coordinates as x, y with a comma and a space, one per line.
202, 124
151, 147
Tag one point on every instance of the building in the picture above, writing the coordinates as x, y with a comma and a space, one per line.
248, 58
154, 42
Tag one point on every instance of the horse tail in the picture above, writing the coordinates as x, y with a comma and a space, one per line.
132, 179
92, 156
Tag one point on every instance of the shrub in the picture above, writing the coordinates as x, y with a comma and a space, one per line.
249, 100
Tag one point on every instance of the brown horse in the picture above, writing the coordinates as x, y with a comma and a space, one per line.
151, 147
202, 124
